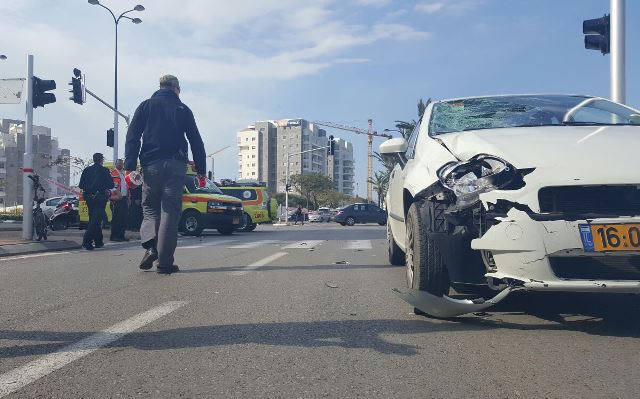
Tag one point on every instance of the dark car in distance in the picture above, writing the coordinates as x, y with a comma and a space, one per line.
361, 213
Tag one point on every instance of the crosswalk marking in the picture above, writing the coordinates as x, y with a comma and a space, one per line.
208, 244
357, 244
254, 244
303, 244
258, 264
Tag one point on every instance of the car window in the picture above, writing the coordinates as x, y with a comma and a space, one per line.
53, 202
190, 186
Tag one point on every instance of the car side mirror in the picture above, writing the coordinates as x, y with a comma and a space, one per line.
395, 150
635, 119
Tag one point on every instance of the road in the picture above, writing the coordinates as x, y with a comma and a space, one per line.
278, 313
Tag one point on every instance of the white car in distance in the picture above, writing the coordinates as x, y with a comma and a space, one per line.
517, 192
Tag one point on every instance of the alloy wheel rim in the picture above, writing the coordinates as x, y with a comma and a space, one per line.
191, 223
409, 254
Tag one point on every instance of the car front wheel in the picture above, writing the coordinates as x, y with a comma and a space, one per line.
191, 224
426, 270
350, 221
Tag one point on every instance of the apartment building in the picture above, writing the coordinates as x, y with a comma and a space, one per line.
46, 151
263, 149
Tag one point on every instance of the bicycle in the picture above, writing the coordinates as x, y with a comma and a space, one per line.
39, 219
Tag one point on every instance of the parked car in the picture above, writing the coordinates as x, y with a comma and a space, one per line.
293, 216
531, 192
321, 215
361, 213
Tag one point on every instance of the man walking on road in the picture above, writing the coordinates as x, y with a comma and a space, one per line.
96, 185
119, 204
162, 122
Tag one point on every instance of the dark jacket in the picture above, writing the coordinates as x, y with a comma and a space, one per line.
95, 179
162, 122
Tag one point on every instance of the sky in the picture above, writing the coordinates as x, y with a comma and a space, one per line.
343, 61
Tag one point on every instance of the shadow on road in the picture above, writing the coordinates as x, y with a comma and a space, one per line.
615, 316
229, 269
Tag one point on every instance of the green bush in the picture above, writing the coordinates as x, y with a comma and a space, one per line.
6, 216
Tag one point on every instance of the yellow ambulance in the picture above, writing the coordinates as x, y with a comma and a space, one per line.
202, 208
259, 207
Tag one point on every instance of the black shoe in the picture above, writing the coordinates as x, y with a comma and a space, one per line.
149, 257
168, 270
99, 245
88, 247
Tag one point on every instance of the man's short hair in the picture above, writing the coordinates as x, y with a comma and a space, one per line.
98, 157
169, 82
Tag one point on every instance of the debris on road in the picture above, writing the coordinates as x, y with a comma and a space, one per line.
342, 262
330, 285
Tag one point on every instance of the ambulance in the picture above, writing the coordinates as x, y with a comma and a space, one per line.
259, 207
202, 208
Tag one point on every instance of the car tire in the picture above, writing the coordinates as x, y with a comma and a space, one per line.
252, 226
350, 221
191, 223
246, 223
396, 255
59, 224
226, 231
426, 270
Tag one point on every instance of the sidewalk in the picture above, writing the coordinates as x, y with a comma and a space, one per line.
12, 244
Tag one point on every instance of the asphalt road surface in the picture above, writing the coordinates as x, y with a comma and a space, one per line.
293, 312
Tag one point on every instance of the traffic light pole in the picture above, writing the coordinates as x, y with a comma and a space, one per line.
617, 38
92, 94
27, 166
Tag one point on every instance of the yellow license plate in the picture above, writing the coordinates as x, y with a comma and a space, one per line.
235, 221
610, 237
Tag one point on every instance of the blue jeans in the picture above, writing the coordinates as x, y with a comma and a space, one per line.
162, 207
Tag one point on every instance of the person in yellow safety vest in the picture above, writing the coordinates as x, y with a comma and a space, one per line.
119, 203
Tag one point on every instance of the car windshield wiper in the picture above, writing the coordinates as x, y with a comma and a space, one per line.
577, 123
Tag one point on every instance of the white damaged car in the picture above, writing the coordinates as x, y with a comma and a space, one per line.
518, 192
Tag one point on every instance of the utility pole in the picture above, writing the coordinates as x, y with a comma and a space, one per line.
618, 80
370, 163
27, 187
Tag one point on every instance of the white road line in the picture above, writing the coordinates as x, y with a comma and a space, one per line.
208, 244
30, 372
357, 244
35, 255
254, 244
303, 244
258, 264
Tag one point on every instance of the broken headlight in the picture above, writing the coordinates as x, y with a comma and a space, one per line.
480, 174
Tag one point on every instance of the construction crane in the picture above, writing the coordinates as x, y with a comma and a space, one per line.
370, 133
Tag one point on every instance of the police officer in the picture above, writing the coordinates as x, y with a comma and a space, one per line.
162, 122
96, 185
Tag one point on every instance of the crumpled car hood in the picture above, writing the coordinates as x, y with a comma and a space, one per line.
550, 146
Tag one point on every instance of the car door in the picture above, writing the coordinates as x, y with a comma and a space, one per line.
395, 203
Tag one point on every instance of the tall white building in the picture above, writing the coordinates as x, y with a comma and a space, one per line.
263, 148
46, 151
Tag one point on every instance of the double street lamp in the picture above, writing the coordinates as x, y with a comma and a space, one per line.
116, 20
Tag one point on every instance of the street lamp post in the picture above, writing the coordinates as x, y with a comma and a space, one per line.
213, 173
116, 20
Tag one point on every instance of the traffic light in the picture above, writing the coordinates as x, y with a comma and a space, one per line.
76, 87
110, 138
597, 34
288, 187
40, 88
331, 146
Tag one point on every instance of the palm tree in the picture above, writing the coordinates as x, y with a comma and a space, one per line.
380, 182
406, 128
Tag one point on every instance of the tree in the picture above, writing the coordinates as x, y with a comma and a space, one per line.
333, 199
310, 185
380, 182
294, 200
406, 128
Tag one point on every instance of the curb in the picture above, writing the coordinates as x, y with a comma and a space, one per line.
37, 247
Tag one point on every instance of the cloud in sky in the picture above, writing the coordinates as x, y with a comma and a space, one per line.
222, 51
450, 6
